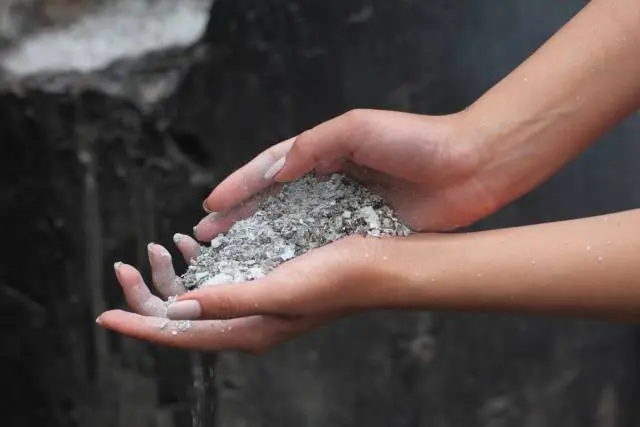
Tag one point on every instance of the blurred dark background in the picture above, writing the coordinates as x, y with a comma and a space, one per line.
102, 154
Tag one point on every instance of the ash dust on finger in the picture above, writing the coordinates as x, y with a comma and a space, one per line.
187, 329
174, 327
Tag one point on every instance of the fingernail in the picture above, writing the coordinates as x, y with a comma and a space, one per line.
99, 320
195, 232
176, 238
275, 168
184, 310
116, 265
205, 208
149, 247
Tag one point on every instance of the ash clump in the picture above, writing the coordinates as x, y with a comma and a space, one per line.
306, 214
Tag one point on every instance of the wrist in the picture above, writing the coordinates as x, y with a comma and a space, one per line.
409, 272
559, 101
516, 151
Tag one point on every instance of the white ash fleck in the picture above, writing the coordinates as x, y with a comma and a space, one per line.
306, 214
184, 325
163, 323
170, 301
156, 306
175, 326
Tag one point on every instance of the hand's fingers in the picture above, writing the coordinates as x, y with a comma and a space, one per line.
254, 334
247, 181
316, 282
227, 301
215, 223
162, 273
390, 142
136, 292
189, 248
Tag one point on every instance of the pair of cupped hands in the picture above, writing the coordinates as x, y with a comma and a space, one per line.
425, 166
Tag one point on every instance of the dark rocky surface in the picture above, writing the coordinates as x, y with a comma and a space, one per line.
93, 168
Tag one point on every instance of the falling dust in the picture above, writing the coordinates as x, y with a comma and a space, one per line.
305, 214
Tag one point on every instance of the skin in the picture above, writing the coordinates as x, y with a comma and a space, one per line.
585, 267
440, 173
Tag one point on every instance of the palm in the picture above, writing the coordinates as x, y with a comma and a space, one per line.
148, 319
434, 207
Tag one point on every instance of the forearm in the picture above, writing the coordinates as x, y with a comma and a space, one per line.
582, 82
587, 267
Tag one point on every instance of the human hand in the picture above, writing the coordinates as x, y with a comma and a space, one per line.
423, 165
302, 294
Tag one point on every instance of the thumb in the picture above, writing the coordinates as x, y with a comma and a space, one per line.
322, 146
390, 142
227, 301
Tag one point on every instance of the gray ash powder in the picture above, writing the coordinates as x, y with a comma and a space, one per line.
306, 214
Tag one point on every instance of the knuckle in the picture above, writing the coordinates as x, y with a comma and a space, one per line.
464, 159
356, 118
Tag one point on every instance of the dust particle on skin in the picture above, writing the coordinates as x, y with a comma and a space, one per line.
160, 323
308, 213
